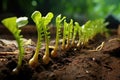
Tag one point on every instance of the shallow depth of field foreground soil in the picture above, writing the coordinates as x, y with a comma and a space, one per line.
75, 64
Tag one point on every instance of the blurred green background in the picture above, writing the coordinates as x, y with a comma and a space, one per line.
79, 10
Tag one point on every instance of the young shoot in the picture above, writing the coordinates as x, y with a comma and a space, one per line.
71, 28
47, 19
13, 24
37, 18
58, 25
75, 30
102, 26
64, 34
91, 29
79, 29
41, 24
87, 32
69, 33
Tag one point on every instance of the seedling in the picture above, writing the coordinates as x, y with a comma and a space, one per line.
65, 32
58, 25
87, 32
13, 24
69, 33
71, 28
47, 19
90, 29
75, 28
41, 24
37, 18
79, 34
101, 23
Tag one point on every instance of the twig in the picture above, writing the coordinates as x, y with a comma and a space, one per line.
99, 47
8, 53
118, 39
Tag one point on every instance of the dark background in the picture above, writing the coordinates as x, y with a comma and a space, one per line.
79, 10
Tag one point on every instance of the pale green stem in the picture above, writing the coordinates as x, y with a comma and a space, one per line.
63, 41
47, 45
57, 38
38, 46
21, 52
73, 40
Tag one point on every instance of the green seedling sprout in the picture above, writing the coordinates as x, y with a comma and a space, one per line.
47, 20
64, 34
91, 29
95, 27
75, 30
41, 24
13, 24
87, 30
79, 30
71, 28
101, 24
69, 33
58, 25
37, 18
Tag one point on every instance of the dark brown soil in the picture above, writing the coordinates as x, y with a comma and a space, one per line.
74, 64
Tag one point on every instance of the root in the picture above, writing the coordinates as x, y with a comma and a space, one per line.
51, 47
8, 53
118, 39
99, 47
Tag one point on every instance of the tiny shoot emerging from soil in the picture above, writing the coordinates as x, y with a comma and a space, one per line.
58, 25
37, 18
13, 24
41, 24
79, 30
47, 19
90, 29
102, 26
71, 28
87, 32
75, 30
69, 33
64, 34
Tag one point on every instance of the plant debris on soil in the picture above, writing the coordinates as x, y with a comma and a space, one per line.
75, 64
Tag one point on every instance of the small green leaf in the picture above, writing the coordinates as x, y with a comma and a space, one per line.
22, 21
36, 16
12, 26
48, 18
10, 23
58, 19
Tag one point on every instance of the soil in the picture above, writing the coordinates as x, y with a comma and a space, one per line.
74, 64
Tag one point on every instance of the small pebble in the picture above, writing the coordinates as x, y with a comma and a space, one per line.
87, 71
93, 59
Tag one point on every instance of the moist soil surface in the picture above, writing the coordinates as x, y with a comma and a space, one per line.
85, 63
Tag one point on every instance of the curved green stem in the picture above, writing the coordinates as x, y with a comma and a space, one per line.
34, 60
46, 57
